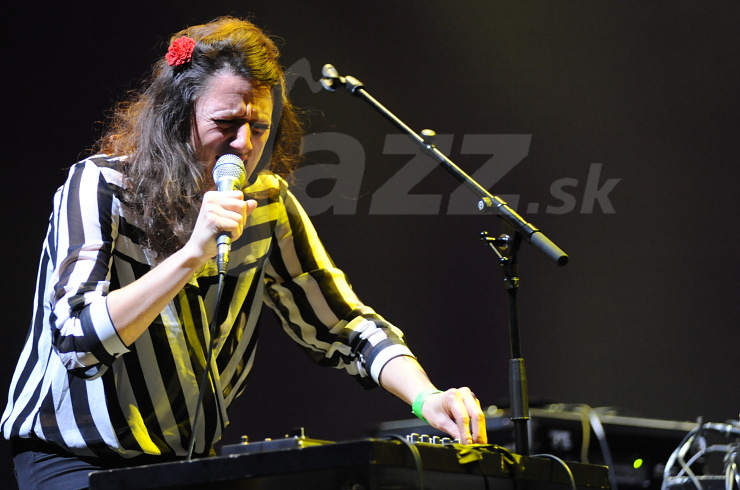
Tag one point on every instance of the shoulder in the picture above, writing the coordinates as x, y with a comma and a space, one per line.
274, 197
101, 160
106, 167
93, 181
266, 180
267, 185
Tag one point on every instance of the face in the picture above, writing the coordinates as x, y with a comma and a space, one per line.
232, 116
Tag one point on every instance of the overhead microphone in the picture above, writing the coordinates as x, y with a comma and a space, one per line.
229, 175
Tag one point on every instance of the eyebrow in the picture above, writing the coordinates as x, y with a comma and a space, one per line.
255, 112
253, 115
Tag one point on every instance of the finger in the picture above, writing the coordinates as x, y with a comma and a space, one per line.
223, 216
464, 408
251, 205
233, 202
232, 222
457, 411
477, 419
217, 196
229, 194
477, 425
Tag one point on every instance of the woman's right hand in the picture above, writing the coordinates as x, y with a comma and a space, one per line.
133, 307
221, 212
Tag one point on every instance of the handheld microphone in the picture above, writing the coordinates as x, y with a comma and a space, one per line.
229, 175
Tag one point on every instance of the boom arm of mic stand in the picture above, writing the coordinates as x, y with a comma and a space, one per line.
520, 228
488, 202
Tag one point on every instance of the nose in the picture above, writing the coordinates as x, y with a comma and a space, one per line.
242, 142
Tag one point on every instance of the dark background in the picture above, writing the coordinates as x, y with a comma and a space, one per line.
645, 315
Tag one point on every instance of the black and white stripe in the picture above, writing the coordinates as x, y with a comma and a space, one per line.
77, 385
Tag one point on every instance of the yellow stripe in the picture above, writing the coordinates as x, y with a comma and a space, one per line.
189, 326
138, 429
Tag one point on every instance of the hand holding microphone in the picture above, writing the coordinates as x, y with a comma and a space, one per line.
229, 175
223, 209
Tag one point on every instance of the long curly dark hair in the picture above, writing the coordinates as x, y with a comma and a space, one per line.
164, 182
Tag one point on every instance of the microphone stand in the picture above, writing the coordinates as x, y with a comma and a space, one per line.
505, 246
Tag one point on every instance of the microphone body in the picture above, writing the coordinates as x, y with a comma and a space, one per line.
229, 174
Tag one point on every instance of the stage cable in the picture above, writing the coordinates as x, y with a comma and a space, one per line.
417, 458
598, 429
563, 464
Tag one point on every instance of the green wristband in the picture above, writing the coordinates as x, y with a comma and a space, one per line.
419, 402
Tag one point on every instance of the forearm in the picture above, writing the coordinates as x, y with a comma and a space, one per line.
404, 377
455, 411
135, 306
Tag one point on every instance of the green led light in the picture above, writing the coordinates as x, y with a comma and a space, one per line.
637, 463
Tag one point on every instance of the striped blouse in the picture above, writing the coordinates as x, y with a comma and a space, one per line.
78, 386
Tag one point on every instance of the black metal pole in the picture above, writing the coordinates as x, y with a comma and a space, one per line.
520, 229
517, 373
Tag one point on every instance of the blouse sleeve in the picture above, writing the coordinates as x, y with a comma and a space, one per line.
317, 306
81, 238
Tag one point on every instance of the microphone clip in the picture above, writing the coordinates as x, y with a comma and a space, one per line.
331, 80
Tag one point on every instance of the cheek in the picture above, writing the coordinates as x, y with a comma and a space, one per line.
258, 150
259, 142
208, 143
249, 168
199, 141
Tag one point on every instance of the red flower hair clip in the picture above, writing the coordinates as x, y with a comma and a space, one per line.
180, 51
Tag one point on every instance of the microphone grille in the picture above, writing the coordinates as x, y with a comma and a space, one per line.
230, 167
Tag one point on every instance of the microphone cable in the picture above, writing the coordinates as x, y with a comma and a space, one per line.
207, 371
228, 174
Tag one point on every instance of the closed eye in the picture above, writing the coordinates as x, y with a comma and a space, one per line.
228, 122
256, 127
259, 128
